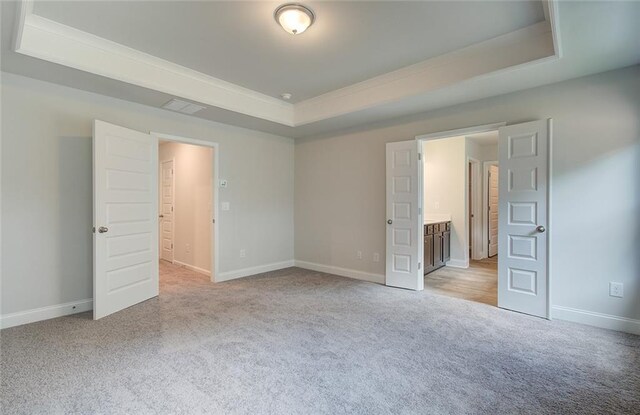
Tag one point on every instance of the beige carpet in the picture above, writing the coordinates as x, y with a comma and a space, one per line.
302, 342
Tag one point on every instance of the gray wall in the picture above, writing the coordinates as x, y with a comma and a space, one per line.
47, 191
340, 186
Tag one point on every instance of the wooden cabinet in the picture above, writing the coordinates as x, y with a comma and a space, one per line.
437, 245
428, 254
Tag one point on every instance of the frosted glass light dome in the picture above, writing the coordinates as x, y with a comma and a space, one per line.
294, 18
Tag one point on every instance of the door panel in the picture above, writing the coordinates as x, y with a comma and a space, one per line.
404, 236
522, 235
493, 210
125, 241
167, 203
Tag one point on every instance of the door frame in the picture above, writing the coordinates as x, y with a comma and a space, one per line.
485, 206
473, 228
173, 204
213, 221
493, 127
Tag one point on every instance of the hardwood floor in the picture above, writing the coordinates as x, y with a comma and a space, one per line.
477, 283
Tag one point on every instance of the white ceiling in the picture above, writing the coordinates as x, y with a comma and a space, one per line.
241, 43
594, 37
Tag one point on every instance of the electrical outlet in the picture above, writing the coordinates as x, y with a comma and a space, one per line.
616, 289
376, 257
359, 254
243, 253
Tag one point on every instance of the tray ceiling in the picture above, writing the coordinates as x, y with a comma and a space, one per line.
239, 42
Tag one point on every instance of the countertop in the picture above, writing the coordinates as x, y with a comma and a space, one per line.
432, 221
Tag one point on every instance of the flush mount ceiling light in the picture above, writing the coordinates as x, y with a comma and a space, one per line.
294, 18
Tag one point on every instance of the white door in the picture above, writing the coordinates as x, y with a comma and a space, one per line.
522, 247
166, 210
493, 210
125, 210
404, 217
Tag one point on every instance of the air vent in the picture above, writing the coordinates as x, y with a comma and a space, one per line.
182, 106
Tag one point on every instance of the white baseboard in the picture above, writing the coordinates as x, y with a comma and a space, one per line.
45, 313
458, 263
605, 321
343, 272
245, 272
192, 268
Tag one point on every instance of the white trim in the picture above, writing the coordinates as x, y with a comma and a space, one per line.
476, 251
214, 222
52, 41
192, 267
46, 39
549, 214
550, 8
458, 263
246, 272
45, 313
592, 318
485, 206
511, 51
484, 128
342, 272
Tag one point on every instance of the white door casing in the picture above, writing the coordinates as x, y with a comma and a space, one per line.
404, 215
125, 210
493, 209
523, 218
167, 200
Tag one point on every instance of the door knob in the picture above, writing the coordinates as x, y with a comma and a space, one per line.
103, 229
389, 221
540, 228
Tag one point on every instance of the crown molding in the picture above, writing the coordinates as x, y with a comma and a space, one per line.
46, 39
523, 46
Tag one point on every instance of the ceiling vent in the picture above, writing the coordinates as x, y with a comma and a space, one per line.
182, 106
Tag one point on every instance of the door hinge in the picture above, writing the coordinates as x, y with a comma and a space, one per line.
419, 265
171, 245
172, 208
93, 229
419, 211
213, 220
419, 156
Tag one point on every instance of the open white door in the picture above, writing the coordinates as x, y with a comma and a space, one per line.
125, 211
404, 216
523, 215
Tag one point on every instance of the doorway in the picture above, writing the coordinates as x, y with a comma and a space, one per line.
452, 192
185, 188
126, 213
524, 184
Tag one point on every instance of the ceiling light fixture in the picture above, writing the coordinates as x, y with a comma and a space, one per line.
294, 18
